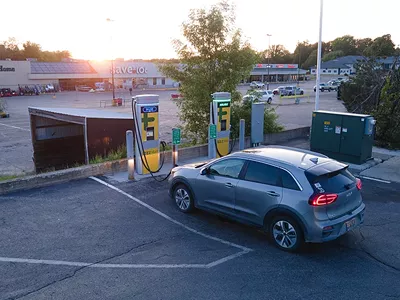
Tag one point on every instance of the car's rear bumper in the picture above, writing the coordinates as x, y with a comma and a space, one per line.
323, 231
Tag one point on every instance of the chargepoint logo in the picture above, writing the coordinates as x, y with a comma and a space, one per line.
3, 69
130, 70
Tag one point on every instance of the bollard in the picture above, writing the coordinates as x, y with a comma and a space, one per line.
241, 134
174, 155
129, 154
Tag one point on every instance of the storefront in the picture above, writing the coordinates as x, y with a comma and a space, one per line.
277, 73
127, 74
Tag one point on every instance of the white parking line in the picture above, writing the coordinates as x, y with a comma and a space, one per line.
243, 249
169, 218
117, 266
375, 179
14, 127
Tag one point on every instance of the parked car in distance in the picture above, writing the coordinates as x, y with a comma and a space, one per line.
6, 92
293, 90
279, 90
257, 84
333, 84
263, 96
294, 195
323, 87
49, 88
342, 79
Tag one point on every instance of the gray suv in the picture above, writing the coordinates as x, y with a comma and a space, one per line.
295, 195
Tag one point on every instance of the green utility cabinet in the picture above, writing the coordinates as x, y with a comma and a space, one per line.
342, 136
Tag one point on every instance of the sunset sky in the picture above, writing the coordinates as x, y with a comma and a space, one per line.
145, 29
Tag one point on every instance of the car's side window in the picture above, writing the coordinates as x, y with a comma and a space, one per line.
262, 173
288, 182
228, 168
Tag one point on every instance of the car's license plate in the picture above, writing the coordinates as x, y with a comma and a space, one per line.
351, 223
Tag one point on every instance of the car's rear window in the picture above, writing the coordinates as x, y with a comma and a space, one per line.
333, 182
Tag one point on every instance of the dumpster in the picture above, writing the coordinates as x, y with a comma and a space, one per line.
343, 136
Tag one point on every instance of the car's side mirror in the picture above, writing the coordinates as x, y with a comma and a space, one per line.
204, 171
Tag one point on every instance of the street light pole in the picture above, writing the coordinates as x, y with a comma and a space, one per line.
112, 63
268, 65
298, 64
319, 56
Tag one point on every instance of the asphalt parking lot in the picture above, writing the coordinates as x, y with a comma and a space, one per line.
89, 240
15, 136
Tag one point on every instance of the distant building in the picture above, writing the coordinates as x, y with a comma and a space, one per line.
346, 65
339, 66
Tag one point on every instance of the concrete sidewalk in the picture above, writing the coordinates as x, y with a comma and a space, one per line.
388, 170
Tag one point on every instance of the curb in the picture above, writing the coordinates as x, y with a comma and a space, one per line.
46, 179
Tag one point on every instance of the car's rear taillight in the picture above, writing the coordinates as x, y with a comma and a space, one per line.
359, 184
322, 199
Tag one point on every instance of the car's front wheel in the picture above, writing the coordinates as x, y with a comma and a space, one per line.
269, 100
286, 233
183, 198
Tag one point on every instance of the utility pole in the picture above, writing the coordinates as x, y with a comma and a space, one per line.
112, 63
269, 52
319, 56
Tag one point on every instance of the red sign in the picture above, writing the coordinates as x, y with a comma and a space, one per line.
291, 66
280, 66
259, 65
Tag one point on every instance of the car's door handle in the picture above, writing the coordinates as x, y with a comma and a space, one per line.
229, 185
273, 194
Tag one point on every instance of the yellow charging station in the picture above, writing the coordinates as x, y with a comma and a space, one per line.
147, 143
221, 117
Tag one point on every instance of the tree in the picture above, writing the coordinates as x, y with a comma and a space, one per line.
243, 111
362, 45
10, 49
361, 94
278, 54
31, 50
388, 112
346, 44
375, 91
302, 52
213, 58
332, 55
381, 46
311, 60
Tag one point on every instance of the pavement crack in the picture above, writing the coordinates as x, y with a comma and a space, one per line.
369, 254
386, 295
81, 268
381, 224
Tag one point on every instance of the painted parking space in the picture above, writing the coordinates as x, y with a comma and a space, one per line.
88, 239
103, 227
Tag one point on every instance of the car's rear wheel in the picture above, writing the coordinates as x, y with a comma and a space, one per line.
183, 198
286, 234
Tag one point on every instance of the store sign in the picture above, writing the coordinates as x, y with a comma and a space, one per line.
130, 70
3, 69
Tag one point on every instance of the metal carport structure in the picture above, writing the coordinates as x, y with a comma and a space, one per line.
64, 137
